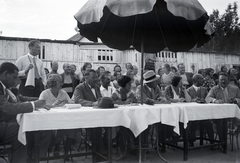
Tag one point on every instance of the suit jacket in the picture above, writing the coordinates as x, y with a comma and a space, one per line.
11, 109
216, 93
189, 76
83, 94
147, 94
201, 92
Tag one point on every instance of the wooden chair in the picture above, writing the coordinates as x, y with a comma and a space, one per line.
5, 152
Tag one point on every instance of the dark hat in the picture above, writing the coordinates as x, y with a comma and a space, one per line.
105, 102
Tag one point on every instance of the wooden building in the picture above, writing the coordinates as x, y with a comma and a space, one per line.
78, 50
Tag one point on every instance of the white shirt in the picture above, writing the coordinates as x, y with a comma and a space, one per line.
195, 87
184, 79
23, 62
107, 92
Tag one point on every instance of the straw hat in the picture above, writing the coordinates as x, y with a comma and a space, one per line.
150, 76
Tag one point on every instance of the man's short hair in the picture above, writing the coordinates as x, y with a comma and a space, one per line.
103, 77
87, 72
196, 77
32, 43
167, 66
73, 65
100, 68
86, 64
9, 67
223, 74
116, 67
179, 65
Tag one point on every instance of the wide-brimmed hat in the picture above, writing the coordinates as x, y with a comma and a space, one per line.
105, 103
150, 76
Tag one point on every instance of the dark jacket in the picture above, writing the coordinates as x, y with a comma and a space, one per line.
11, 109
83, 94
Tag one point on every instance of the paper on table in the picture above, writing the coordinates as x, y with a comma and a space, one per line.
72, 106
30, 78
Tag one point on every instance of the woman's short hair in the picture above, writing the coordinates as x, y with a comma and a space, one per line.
176, 80
53, 79
208, 70
123, 80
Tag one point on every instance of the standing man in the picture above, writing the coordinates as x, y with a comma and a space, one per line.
186, 76
25, 64
11, 106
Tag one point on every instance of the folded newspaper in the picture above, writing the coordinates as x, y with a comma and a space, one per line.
72, 106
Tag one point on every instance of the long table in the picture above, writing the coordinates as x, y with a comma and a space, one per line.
135, 117
198, 112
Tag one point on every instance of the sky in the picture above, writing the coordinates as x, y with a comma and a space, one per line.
53, 19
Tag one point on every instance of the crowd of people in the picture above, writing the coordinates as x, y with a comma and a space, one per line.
51, 89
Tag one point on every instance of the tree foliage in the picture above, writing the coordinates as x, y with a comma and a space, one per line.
227, 31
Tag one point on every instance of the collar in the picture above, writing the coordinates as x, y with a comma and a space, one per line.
222, 87
30, 55
4, 88
102, 88
195, 87
148, 87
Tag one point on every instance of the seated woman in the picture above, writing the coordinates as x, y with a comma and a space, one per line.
56, 97
124, 95
176, 92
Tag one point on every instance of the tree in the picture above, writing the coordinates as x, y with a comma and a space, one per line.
227, 31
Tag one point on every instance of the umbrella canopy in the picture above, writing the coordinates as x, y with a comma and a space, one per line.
178, 25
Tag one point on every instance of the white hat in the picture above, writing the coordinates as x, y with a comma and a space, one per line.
150, 76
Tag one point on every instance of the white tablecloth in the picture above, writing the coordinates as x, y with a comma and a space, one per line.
136, 118
194, 111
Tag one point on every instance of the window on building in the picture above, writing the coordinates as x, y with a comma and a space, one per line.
105, 55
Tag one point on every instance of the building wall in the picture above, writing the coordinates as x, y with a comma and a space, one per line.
101, 55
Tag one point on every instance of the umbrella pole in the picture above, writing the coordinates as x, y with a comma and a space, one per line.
142, 58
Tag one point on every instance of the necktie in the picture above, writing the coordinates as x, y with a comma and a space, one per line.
225, 94
153, 94
35, 68
93, 91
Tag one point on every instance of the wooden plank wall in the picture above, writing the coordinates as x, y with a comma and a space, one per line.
10, 50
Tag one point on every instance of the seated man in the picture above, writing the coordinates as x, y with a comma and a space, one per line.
223, 93
198, 94
9, 106
105, 88
151, 91
87, 93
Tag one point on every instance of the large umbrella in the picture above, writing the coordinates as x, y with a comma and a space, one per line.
147, 25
